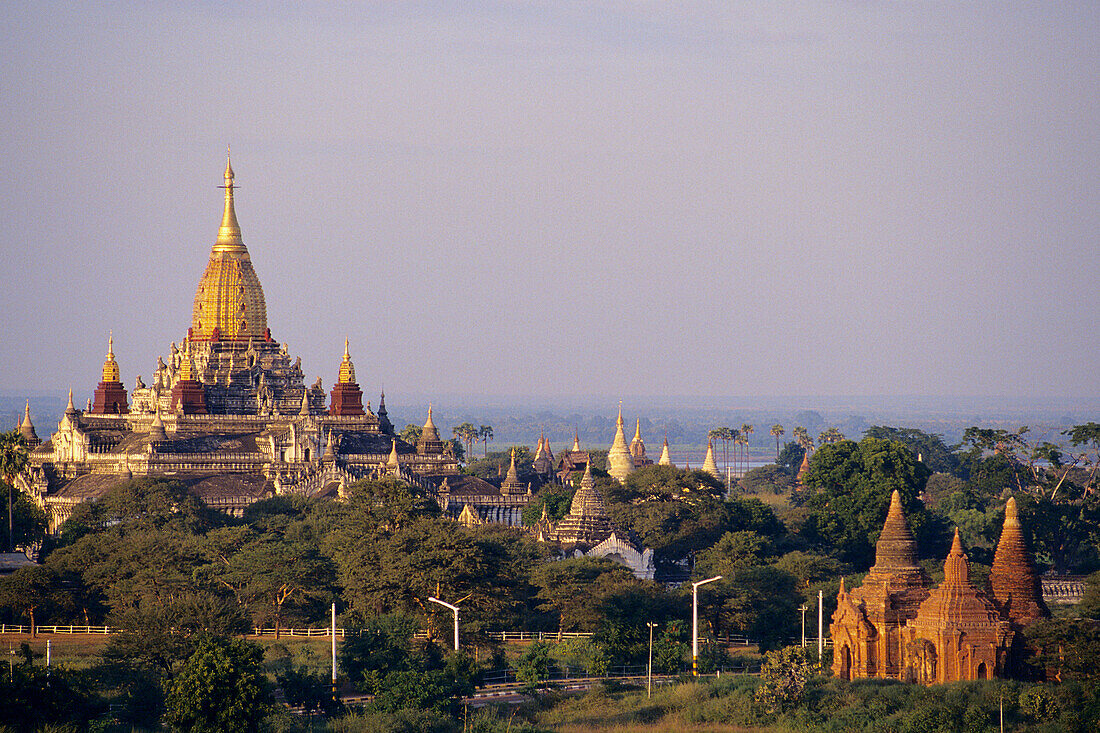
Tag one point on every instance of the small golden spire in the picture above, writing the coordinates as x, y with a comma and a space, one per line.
619, 422
110, 366
229, 233
1011, 520
70, 408
638, 431
187, 369
347, 369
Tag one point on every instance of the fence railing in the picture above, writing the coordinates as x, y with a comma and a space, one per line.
52, 629
325, 631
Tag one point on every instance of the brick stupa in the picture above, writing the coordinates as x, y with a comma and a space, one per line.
1016, 587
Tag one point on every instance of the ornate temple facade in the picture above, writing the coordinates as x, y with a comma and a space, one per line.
227, 412
896, 626
587, 531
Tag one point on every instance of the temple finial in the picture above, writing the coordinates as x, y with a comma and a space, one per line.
229, 233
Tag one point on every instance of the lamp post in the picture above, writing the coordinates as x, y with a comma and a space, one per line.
695, 622
455, 610
803, 609
649, 668
820, 626
333, 630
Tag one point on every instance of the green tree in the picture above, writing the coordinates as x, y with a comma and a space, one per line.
790, 457
557, 500
28, 522
808, 568
221, 688
574, 589
13, 459
929, 447
410, 433
769, 479
850, 485
534, 665
1067, 648
1089, 607
32, 592
273, 571
384, 660
830, 435
158, 637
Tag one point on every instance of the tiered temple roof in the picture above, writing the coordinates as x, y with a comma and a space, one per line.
228, 412
587, 523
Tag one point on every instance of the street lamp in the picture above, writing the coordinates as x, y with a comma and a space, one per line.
453, 608
695, 622
820, 626
649, 669
803, 609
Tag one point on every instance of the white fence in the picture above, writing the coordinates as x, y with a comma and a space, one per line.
16, 629
326, 631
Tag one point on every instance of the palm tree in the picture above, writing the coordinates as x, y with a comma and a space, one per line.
13, 459
803, 437
831, 435
725, 435
777, 432
467, 433
746, 431
485, 432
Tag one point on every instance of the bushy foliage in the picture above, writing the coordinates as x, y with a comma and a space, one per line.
783, 678
221, 689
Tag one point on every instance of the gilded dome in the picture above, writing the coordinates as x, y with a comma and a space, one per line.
229, 297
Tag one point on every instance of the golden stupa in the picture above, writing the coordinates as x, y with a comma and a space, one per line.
229, 302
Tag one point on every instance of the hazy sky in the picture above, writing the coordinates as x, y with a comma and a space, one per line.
729, 198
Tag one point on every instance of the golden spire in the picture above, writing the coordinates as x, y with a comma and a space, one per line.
638, 431
393, 464
110, 366
709, 464
619, 421
347, 369
665, 459
576, 441
70, 409
187, 369
229, 299
512, 477
229, 233
26, 428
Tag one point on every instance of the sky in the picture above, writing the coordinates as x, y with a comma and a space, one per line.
564, 198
